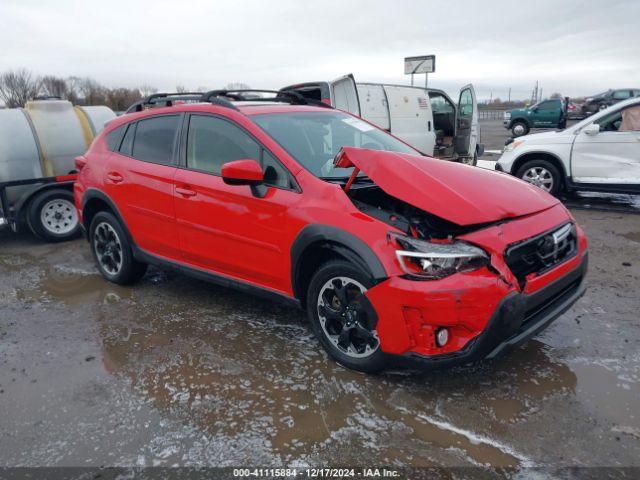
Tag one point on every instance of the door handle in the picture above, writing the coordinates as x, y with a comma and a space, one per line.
185, 191
115, 177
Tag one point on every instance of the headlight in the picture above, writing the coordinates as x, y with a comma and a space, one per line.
507, 115
430, 261
513, 145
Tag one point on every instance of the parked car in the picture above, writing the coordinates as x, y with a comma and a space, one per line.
545, 114
393, 255
574, 111
606, 99
427, 119
600, 153
38, 144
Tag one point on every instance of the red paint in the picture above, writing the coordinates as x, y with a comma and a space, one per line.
248, 171
197, 219
66, 178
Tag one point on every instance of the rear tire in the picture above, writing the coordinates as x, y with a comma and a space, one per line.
52, 216
540, 173
112, 250
342, 317
519, 129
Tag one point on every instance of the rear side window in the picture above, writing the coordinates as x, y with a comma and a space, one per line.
114, 137
212, 142
155, 139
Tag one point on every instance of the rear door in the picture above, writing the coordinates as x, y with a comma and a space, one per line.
466, 137
139, 179
344, 94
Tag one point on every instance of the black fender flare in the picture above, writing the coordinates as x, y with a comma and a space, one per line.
25, 199
94, 193
343, 242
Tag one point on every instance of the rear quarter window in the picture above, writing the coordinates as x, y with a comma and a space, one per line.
114, 137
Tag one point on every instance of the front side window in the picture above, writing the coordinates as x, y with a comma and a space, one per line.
466, 104
626, 120
155, 139
315, 138
212, 142
621, 94
439, 104
547, 106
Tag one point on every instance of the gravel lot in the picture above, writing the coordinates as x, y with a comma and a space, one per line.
174, 371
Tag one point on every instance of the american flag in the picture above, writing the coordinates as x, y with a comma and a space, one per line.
423, 102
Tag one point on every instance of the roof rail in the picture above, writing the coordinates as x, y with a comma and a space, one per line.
293, 98
168, 98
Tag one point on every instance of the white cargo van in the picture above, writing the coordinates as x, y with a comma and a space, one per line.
427, 119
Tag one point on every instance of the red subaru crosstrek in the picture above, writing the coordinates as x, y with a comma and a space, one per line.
393, 254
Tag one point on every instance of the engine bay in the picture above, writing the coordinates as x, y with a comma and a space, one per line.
373, 201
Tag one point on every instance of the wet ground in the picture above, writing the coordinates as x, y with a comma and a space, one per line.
174, 371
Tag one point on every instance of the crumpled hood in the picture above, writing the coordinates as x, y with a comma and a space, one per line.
458, 193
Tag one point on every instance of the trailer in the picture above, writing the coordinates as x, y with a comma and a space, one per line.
38, 145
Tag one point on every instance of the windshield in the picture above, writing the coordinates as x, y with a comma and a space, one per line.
315, 138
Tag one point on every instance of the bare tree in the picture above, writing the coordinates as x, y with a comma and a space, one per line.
146, 90
556, 95
237, 86
92, 92
119, 99
17, 87
54, 86
181, 89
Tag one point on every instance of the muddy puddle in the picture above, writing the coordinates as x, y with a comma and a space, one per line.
225, 369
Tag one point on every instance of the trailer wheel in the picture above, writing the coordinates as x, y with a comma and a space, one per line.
52, 216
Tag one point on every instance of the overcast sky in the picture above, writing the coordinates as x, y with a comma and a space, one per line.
573, 47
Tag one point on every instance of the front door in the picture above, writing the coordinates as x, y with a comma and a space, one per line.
226, 228
466, 136
611, 156
547, 114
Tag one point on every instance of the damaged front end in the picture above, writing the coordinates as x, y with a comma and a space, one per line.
450, 237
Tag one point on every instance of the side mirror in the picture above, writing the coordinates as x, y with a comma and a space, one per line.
242, 172
592, 129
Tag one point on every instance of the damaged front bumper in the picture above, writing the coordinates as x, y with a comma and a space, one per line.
514, 317
517, 318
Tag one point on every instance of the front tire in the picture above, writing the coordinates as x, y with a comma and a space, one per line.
342, 317
542, 174
519, 129
52, 216
112, 250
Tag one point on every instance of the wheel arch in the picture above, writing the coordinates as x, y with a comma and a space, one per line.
316, 244
541, 155
94, 201
519, 120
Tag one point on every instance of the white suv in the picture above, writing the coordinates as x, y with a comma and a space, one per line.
600, 153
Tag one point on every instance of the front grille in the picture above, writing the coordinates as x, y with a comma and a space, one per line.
542, 253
